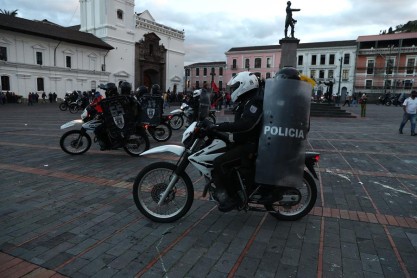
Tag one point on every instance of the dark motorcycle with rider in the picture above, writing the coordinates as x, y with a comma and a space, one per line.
235, 158
153, 120
114, 123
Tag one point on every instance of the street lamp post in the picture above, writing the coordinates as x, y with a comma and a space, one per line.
340, 75
212, 78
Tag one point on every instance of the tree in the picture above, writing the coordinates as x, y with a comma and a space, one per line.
11, 13
410, 26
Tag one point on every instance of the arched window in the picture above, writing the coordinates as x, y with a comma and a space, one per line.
120, 14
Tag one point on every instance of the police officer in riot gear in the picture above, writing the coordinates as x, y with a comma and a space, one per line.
245, 129
155, 90
194, 103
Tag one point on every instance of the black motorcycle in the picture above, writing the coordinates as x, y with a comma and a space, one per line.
79, 104
384, 99
68, 99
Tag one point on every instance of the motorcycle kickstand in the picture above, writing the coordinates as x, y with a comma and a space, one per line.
242, 194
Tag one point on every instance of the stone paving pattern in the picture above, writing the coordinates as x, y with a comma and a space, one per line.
74, 216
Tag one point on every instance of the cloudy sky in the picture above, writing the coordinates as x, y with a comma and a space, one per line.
212, 27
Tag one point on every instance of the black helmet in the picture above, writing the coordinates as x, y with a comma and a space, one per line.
111, 89
155, 89
288, 73
142, 90
125, 88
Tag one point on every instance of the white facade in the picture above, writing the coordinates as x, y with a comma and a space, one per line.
115, 22
37, 64
329, 61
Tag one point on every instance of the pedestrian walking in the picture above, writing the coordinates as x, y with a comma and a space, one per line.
410, 112
354, 100
348, 99
362, 101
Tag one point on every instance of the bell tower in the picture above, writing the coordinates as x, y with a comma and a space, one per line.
113, 21
105, 18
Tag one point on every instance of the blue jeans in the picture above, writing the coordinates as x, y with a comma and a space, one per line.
409, 117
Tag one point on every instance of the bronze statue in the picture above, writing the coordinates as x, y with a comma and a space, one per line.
289, 21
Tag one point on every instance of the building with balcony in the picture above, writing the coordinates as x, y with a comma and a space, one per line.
386, 64
324, 61
262, 60
198, 74
329, 63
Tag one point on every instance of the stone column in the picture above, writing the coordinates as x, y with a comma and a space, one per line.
288, 52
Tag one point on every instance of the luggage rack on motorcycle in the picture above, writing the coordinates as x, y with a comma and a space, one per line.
118, 115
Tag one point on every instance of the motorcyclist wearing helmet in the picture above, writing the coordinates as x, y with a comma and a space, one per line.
141, 91
245, 129
125, 88
194, 103
155, 90
96, 102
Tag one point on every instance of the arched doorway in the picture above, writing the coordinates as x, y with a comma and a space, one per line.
150, 77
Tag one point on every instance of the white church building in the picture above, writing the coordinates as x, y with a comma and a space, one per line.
113, 43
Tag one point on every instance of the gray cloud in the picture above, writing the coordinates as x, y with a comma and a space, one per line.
210, 33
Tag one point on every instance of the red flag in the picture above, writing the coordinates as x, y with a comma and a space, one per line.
214, 87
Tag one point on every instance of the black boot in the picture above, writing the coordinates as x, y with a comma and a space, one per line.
226, 203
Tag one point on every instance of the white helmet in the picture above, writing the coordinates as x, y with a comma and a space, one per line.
242, 83
197, 93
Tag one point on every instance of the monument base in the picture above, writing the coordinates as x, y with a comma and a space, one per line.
288, 52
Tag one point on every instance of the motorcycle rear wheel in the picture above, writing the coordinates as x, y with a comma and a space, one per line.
73, 108
75, 142
137, 144
308, 198
176, 122
161, 132
149, 185
63, 106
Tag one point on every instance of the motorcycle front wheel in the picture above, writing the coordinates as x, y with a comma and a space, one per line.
75, 142
137, 144
149, 186
63, 106
308, 193
73, 108
176, 122
161, 132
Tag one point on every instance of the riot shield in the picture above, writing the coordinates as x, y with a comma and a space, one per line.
281, 151
118, 116
204, 105
152, 107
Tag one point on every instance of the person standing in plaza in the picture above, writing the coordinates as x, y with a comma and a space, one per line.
362, 101
354, 99
410, 113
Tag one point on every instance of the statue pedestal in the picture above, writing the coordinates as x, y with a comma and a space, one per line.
288, 52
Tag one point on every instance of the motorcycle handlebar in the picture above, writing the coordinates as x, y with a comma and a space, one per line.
224, 136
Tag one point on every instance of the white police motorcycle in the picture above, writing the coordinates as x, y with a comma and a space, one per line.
164, 192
